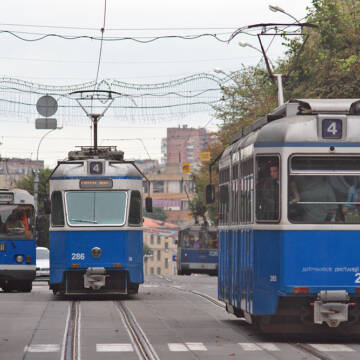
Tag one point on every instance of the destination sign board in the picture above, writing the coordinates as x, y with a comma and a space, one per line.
96, 184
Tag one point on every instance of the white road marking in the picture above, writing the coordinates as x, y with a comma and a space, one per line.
177, 347
268, 346
189, 346
149, 286
331, 347
42, 348
250, 347
196, 346
114, 347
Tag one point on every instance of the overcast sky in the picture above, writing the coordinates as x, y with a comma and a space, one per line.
57, 61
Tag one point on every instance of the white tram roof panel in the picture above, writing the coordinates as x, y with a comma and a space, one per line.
111, 168
21, 196
296, 121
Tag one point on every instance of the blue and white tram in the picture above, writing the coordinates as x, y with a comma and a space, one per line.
197, 250
289, 209
96, 234
17, 240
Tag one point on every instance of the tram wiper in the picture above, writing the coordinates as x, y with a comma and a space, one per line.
85, 221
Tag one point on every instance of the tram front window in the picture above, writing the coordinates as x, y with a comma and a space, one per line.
333, 197
96, 208
198, 239
16, 221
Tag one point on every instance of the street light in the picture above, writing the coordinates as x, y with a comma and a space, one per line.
275, 8
246, 44
36, 178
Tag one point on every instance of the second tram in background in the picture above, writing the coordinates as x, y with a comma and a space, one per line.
197, 250
289, 210
17, 240
96, 235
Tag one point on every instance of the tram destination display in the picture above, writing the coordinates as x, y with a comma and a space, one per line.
96, 184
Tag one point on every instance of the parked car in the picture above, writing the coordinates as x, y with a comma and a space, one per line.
42, 262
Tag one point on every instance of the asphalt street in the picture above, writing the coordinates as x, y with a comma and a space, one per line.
172, 317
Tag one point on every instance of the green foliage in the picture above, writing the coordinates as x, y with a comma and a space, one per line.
329, 66
43, 220
157, 214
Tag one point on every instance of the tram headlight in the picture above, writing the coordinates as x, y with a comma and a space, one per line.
96, 252
19, 258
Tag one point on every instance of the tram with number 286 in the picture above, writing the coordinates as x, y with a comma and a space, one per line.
289, 210
96, 235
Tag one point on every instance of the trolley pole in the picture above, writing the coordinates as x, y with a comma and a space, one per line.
280, 89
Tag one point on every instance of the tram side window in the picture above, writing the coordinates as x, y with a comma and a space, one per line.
267, 188
57, 210
224, 178
330, 197
135, 208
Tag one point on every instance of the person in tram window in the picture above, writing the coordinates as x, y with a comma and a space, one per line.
14, 225
352, 211
270, 194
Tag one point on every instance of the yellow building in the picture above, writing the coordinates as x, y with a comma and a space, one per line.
160, 239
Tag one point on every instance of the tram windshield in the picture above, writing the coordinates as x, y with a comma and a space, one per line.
324, 190
16, 222
96, 208
198, 239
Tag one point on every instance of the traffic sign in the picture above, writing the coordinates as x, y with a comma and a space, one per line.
205, 156
46, 106
45, 123
186, 168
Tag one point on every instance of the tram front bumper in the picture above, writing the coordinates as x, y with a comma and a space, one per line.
94, 278
331, 307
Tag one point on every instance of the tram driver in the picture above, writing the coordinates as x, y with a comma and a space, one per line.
14, 225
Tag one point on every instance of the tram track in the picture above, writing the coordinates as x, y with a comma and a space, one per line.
303, 347
141, 343
71, 340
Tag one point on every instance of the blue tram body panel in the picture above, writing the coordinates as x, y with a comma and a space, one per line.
17, 247
258, 266
118, 247
199, 256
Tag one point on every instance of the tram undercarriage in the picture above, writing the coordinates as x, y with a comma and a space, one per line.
95, 282
299, 315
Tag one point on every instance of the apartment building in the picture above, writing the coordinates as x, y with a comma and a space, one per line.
161, 239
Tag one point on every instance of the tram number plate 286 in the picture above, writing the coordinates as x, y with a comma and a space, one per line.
332, 128
96, 167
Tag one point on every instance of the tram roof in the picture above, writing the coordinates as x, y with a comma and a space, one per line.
294, 122
80, 168
21, 196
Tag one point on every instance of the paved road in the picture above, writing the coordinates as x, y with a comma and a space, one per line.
173, 317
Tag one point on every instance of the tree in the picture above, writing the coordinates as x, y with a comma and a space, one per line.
27, 183
329, 65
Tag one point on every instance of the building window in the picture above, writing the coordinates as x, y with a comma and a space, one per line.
158, 271
152, 271
152, 239
166, 263
159, 240
158, 186
166, 246
158, 255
